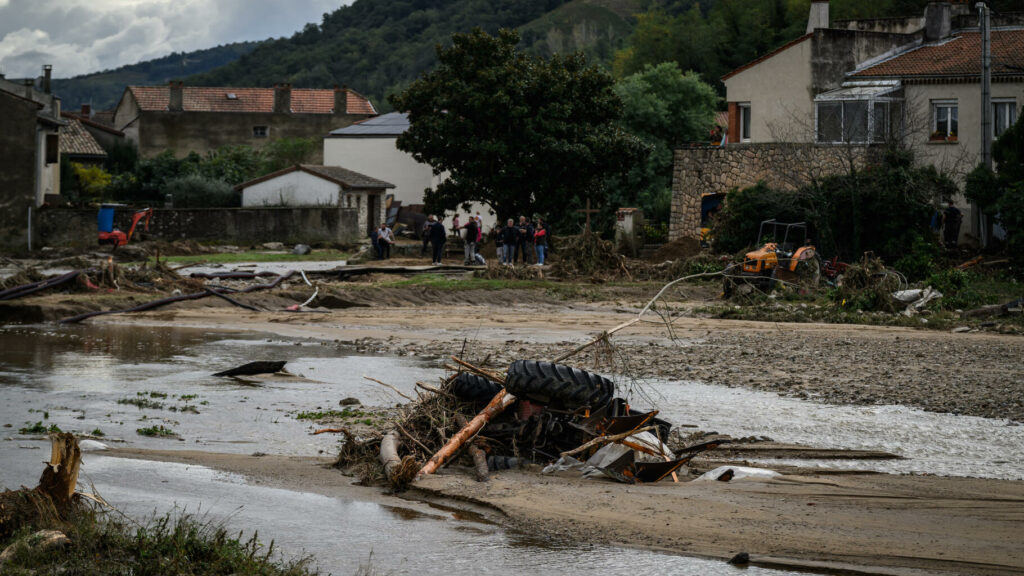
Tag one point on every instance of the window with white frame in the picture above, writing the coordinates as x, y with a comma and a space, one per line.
945, 119
744, 121
1004, 114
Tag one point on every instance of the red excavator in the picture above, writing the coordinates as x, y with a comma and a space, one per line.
110, 235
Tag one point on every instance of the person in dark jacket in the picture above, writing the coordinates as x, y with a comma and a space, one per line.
437, 238
470, 241
508, 242
524, 239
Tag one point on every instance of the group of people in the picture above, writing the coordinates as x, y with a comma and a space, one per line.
524, 241
382, 239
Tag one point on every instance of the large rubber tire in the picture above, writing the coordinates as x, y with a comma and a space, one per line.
558, 385
472, 388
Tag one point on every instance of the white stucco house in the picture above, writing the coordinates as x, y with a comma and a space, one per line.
370, 146
308, 185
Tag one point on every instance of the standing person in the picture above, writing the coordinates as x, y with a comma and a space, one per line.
455, 225
540, 240
425, 234
384, 240
524, 239
951, 219
375, 240
470, 237
508, 241
438, 236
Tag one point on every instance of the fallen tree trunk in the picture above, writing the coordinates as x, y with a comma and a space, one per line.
165, 301
497, 405
26, 289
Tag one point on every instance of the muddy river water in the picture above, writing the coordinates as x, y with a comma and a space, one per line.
74, 377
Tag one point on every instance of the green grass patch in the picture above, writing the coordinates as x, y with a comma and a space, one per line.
97, 432
157, 431
38, 428
141, 403
161, 395
107, 543
255, 256
346, 413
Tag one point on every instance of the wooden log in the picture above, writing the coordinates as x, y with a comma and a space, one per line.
497, 405
389, 455
478, 455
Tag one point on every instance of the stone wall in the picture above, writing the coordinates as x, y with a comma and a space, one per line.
242, 226
712, 170
18, 164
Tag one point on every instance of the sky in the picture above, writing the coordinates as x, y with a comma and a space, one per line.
83, 36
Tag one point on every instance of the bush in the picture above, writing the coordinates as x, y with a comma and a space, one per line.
194, 191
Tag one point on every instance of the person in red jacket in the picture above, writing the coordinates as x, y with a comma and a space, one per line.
540, 240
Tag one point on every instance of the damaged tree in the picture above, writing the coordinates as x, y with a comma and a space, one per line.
51, 502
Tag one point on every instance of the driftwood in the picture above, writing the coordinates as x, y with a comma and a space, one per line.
397, 391
607, 439
52, 500
26, 289
389, 455
478, 455
253, 368
172, 299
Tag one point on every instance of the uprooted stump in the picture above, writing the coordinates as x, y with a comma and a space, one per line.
49, 503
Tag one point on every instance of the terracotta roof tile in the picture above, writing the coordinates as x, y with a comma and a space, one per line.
216, 99
958, 56
77, 141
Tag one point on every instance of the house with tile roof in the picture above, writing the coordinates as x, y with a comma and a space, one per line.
78, 144
187, 119
864, 82
309, 185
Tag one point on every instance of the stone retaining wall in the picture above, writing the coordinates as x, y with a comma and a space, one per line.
712, 170
69, 227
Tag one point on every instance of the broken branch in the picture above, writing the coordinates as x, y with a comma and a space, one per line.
397, 391
607, 439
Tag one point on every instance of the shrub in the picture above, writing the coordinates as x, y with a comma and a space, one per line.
194, 191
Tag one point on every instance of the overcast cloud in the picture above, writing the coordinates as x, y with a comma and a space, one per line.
82, 36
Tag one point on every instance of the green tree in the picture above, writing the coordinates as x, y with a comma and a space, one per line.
287, 152
520, 133
664, 108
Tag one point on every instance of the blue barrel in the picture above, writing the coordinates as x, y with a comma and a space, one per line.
105, 219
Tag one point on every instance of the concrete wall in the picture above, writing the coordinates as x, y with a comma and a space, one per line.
292, 189
837, 52
242, 226
712, 170
17, 169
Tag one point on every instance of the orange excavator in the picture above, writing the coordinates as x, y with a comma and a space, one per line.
107, 234
793, 260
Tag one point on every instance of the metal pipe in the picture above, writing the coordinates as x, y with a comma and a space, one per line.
984, 24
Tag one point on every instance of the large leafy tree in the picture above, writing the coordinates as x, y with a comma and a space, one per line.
664, 108
520, 133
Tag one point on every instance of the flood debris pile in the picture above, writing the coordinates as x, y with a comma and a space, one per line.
536, 412
53, 500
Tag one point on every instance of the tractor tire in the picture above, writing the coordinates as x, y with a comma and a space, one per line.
472, 388
558, 385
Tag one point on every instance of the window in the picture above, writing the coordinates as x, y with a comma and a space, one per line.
944, 120
259, 131
745, 122
52, 149
1004, 114
856, 121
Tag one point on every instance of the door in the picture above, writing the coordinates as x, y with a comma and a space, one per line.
372, 213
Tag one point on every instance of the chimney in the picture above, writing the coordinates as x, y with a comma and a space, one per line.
86, 111
819, 15
30, 86
47, 76
177, 97
282, 98
937, 21
340, 101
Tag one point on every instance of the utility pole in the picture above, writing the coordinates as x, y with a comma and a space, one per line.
984, 27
